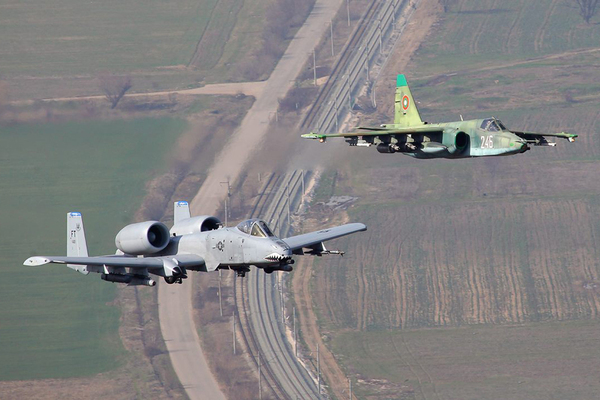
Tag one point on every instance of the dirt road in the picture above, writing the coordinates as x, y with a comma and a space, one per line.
248, 88
175, 308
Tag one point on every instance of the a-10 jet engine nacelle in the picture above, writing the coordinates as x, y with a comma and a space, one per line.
143, 238
201, 223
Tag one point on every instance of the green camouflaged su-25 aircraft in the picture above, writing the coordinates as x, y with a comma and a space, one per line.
410, 135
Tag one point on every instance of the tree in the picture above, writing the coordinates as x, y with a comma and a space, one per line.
587, 9
446, 4
114, 87
3, 96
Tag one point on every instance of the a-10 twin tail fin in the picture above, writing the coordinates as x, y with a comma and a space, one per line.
76, 244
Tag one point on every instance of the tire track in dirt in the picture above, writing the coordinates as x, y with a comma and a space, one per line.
512, 36
197, 50
409, 366
474, 46
588, 261
436, 289
420, 366
515, 284
538, 43
514, 63
362, 295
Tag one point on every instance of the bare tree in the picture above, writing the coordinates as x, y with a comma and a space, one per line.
3, 96
587, 9
114, 87
446, 4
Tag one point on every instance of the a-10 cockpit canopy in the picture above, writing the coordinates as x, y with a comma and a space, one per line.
255, 227
492, 125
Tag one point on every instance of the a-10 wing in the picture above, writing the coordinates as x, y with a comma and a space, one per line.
314, 240
182, 260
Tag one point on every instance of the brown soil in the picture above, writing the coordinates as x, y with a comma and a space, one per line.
415, 33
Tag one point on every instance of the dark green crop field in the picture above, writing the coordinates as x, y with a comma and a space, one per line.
55, 322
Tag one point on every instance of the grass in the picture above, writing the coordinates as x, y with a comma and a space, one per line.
487, 32
87, 37
475, 362
243, 40
56, 323
70, 38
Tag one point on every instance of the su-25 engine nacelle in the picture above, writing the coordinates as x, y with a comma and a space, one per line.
143, 238
456, 142
197, 224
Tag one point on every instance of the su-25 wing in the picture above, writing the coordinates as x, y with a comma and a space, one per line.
198, 243
365, 131
538, 139
410, 135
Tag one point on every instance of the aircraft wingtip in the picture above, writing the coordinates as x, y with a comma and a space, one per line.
36, 261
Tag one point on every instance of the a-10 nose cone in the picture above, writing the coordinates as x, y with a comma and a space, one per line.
279, 257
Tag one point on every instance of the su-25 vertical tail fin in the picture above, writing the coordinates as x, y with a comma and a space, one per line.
76, 244
405, 109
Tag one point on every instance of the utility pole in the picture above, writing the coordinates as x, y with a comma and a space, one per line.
348, 10
350, 387
336, 114
303, 191
318, 372
234, 334
281, 300
380, 36
259, 379
227, 200
367, 62
331, 29
314, 68
289, 206
220, 301
295, 338
349, 93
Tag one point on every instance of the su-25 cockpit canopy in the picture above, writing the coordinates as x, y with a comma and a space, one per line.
255, 227
492, 125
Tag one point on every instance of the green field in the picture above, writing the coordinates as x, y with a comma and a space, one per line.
485, 273
71, 37
67, 37
476, 362
478, 33
54, 322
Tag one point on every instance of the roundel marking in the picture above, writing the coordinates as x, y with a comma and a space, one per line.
405, 102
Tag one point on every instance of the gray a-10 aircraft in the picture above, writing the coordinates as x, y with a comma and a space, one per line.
193, 243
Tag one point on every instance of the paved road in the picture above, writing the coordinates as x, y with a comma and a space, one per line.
175, 309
